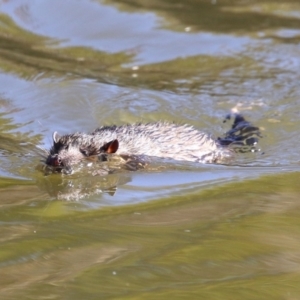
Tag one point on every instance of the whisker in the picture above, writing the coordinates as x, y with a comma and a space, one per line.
43, 149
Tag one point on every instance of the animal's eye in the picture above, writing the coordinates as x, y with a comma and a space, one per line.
57, 146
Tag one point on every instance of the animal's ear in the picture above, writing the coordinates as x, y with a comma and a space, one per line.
110, 147
55, 137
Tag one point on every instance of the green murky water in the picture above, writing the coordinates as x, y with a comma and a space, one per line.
172, 230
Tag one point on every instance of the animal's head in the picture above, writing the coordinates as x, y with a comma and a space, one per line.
68, 150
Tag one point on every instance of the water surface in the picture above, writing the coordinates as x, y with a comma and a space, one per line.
174, 229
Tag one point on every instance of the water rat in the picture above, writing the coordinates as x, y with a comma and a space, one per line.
159, 139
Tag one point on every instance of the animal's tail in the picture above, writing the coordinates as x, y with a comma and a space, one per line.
243, 136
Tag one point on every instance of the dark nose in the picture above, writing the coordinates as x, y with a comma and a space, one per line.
54, 161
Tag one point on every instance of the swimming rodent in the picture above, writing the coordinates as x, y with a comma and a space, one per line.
160, 139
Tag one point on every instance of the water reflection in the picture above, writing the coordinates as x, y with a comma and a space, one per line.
220, 16
75, 188
106, 25
217, 239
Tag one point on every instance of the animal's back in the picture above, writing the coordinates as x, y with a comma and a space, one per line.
165, 140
